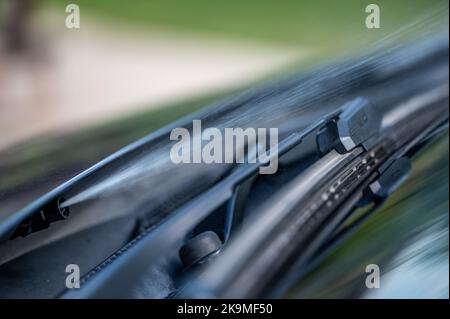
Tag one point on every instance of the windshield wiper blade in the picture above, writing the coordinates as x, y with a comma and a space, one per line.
294, 225
333, 161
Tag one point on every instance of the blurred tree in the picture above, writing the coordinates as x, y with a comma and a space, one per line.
16, 27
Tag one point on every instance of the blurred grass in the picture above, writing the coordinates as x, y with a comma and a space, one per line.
306, 23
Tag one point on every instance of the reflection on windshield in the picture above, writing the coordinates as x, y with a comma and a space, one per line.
423, 260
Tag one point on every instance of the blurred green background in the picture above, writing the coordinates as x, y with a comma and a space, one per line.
306, 23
